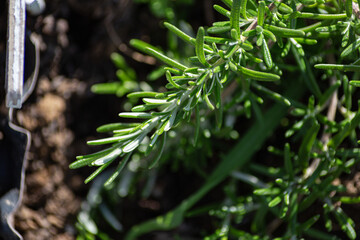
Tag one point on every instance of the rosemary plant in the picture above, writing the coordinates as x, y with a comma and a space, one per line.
286, 51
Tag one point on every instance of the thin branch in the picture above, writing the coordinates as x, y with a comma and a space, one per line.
356, 10
333, 102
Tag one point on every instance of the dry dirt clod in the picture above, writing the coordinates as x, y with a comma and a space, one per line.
51, 107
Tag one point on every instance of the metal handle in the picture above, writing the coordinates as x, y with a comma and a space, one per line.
15, 53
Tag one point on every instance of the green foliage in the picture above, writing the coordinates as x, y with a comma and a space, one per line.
265, 51
127, 79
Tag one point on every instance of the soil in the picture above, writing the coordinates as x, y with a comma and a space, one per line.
77, 38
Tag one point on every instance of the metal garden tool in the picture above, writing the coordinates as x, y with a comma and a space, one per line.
14, 140
15, 51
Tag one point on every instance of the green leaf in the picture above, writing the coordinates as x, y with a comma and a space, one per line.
145, 107
298, 112
243, 9
307, 73
106, 88
230, 51
347, 92
286, 49
118, 60
113, 139
185, 37
261, 13
346, 37
118, 170
197, 124
131, 146
284, 32
298, 47
259, 40
316, 234
218, 40
82, 162
306, 225
269, 34
283, 7
307, 143
142, 46
108, 157
138, 115
247, 108
349, 200
256, 75
340, 67
218, 29
250, 33
165, 59
208, 102
345, 222
251, 57
308, 2
96, 172
179, 33
156, 101
348, 8
147, 48
124, 131
169, 124
274, 202
266, 191
97, 154
141, 94
287, 162
294, 211
218, 104
115, 126
255, 106
160, 150
235, 15
156, 73
331, 28
355, 83
175, 71
202, 78
172, 82
319, 16
267, 55
199, 47
123, 76
305, 41
351, 48
345, 131
271, 94
297, 126
234, 34
222, 11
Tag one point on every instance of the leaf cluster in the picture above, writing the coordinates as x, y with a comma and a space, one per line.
282, 51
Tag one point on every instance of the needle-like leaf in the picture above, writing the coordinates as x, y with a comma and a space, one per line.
235, 15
